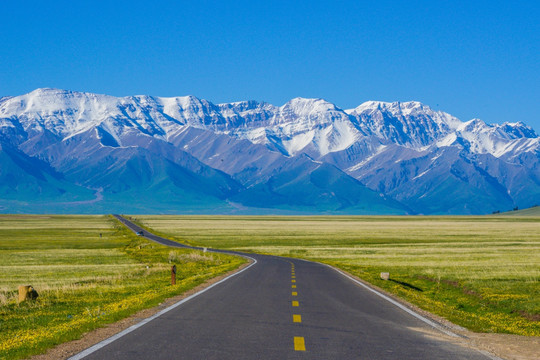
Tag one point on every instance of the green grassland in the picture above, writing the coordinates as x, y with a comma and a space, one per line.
84, 281
529, 212
479, 272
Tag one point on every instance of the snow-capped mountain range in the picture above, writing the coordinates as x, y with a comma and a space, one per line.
64, 151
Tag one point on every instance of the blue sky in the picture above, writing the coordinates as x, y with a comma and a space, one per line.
469, 58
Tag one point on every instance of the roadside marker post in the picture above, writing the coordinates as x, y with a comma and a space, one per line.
173, 275
27, 292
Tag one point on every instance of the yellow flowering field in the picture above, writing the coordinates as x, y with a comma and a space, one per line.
88, 271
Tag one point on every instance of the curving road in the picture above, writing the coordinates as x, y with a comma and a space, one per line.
283, 308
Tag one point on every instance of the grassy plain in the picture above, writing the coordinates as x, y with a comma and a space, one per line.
84, 281
482, 273
529, 212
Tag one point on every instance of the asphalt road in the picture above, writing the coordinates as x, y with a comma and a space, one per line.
283, 308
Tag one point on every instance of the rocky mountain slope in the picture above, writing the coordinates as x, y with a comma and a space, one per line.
63, 151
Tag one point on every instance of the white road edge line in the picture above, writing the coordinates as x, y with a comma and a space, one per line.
115, 337
401, 306
411, 312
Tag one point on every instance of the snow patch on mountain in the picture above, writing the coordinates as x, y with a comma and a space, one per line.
358, 166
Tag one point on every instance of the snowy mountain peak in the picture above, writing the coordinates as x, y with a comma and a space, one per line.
396, 107
518, 130
473, 126
312, 104
302, 125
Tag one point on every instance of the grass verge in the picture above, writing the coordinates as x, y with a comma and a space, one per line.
89, 271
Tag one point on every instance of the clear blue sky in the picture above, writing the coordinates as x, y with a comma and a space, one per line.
468, 58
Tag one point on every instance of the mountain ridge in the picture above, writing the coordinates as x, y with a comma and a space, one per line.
403, 152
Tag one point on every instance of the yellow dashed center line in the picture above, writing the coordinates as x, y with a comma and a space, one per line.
299, 344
